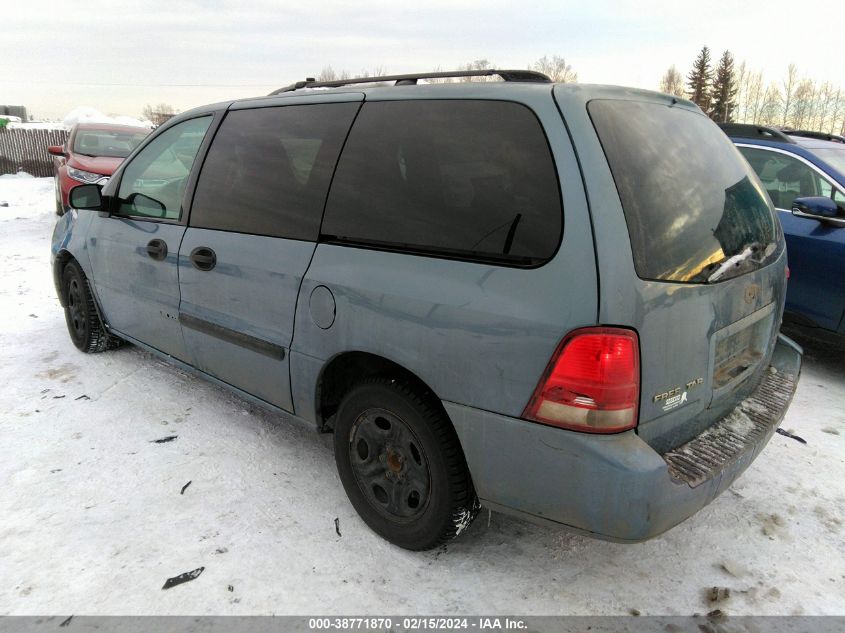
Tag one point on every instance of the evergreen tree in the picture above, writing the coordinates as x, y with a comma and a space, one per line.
724, 90
699, 80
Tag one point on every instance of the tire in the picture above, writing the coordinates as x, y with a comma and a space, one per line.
83, 322
402, 466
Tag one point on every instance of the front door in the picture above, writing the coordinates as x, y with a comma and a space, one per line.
254, 224
134, 250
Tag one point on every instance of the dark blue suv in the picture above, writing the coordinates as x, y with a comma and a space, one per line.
804, 175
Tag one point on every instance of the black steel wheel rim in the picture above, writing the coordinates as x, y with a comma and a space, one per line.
76, 311
389, 465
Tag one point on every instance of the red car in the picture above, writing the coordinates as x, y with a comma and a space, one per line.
91, 154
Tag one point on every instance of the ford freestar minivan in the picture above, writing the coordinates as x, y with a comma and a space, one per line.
557, 301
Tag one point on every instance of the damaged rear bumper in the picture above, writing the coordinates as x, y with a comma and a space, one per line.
617, 487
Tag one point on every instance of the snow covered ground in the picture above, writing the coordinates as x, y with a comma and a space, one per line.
94, 517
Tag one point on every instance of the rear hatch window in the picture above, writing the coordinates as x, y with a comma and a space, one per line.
695, 210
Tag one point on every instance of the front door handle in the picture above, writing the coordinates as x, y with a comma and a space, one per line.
203, 258
157, 250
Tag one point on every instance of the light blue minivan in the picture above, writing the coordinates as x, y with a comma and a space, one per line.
557, 301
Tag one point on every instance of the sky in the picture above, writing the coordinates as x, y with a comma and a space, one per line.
117, 56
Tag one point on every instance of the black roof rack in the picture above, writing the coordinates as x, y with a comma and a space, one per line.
747, 130
405, 80
822, 136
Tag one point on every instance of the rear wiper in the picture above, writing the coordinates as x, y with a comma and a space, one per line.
730, 262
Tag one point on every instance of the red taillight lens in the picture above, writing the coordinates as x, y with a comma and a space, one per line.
787, 273
591, 384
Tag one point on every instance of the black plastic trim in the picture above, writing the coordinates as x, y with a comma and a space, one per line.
231, 336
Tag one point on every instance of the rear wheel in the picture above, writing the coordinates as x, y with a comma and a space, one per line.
83, 322
402, 466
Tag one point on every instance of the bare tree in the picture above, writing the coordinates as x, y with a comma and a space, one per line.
824, 106
837, 111
556, 69
771, 106
802, 104
157, 114
672, 82
478, 64
756, 92
328, 74
789, 88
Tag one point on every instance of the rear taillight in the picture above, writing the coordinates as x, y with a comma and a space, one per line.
592, 382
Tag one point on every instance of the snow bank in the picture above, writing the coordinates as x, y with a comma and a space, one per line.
24, 196
86, 114
20, 174
37, 125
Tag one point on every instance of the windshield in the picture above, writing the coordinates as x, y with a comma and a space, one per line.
691, 202
833, 157
113, 143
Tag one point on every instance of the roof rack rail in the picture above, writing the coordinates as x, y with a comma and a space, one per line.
747, 130
822, 136
411, 79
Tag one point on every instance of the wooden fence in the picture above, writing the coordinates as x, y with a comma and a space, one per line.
26, 150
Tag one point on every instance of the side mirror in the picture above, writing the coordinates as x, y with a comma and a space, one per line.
86, 197
140, 200
56, 150
817, 208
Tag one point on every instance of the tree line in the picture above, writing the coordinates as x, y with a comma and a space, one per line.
555, 67
740, 94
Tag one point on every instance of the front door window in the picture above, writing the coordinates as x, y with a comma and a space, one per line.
154, 182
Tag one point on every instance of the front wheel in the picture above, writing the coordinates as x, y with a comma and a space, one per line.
83, 322
402, 466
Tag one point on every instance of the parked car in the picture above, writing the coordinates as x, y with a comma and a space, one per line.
804, 174
91, 154
518, 301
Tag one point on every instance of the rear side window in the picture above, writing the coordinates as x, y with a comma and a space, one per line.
464, 179
690, 201
268, 170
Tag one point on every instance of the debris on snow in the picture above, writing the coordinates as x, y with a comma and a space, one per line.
164, 440
718, 594
185, 487
67, 621
786, 433
733, 568
181, 578
82, 397
772, 524
337, 526
231, 588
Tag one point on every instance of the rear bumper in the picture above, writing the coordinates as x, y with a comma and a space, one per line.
617, 487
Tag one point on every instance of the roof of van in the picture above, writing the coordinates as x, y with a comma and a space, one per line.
470, 89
